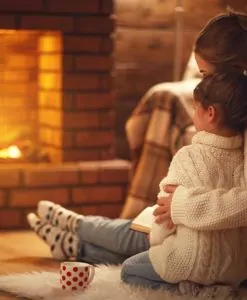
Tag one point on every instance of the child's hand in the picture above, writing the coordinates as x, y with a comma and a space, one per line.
169, 224
163, 211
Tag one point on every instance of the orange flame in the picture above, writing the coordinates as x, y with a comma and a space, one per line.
10, 152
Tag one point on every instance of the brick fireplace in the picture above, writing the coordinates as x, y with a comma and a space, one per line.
56, 90
56, 63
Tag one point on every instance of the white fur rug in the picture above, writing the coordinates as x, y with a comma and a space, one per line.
105, 286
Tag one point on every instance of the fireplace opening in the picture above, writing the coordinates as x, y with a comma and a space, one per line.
30, 72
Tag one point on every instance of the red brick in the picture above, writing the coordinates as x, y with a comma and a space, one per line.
52, 176
7, 21
107, 119
105, 82
106, 210
93, 63
89, 172
99, 25
68, 139
9, 178
55, 154
107, 6
90, 165
56, 100
24, 213
50, 99
109, 210
50, 117
21, 5
97, 194
73, 6
30, 198
50, 59
81, 120
70, 155
107, 45
81, 44
2, 198
114, 176
10, 219
50, 81
55, 137
68, 63
94, 100
93, 139
87, 210
65, 24
72, 81
89, 177
19, 88
68, 101
108, 153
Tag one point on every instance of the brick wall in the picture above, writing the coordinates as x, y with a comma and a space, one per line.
77, 107
90, 188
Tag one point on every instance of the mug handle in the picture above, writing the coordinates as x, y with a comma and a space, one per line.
92, 273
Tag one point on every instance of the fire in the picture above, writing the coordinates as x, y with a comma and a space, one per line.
10, 152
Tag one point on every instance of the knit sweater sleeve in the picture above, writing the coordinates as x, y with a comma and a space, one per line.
202, 208
180, 172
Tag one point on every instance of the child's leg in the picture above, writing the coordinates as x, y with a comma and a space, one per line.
100, 239
112, 234
63, 244
138, 270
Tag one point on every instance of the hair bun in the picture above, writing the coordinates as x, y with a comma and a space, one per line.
241, 18
242, 21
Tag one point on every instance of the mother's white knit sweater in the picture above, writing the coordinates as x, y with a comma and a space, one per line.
204, 256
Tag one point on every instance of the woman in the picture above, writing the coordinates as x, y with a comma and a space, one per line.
222, 44
230, 32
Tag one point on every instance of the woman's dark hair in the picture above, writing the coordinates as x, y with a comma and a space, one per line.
227, 92
223, 41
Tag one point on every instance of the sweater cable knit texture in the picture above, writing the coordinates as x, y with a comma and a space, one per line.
197, 254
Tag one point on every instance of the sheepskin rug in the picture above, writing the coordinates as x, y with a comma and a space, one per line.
105, 286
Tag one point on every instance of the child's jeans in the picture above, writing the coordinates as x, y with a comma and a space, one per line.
138, 270
108, 241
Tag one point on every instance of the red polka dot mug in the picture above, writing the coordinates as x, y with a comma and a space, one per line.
75, 276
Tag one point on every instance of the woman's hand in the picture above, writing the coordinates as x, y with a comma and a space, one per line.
163, 211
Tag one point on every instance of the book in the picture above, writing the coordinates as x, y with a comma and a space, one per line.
143, 222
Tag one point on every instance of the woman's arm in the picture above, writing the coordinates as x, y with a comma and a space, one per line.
207, 209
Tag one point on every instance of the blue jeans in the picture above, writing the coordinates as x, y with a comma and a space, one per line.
108, 241
138, 270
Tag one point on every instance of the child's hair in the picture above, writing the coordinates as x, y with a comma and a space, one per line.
227, 92
223, 41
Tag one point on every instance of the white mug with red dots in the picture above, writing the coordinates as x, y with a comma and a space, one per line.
75, 276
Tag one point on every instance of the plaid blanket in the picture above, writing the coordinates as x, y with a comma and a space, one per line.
157, 128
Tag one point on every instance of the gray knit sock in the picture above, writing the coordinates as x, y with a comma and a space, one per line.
63, 244
58, 216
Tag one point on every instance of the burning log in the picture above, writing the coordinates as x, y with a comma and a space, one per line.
23, 152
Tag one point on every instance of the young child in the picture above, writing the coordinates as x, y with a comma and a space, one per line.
214, 160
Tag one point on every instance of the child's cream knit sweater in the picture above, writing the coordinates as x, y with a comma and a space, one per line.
204, 256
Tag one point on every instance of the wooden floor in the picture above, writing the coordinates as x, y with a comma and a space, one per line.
23, 252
